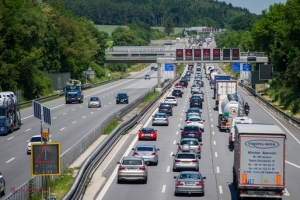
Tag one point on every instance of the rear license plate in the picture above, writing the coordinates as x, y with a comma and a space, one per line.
147, 135
186, 162
191, 134
190, 184
196, 103
131, 169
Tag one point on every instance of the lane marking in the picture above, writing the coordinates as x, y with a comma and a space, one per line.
211, 119
83, 117
62, 128
163, 189
92, 112
174, 142
10, 160
218, 170
110, 102
50, 136
28, 130
220, 189
64, 113
178, 125
210, 114
213, 133
73, 109
286, 192
168, 168
180, 119
214, 142
176, 132
290, 163
216, 154
209, 110
104, 105
54, 117
212, 125
171, 153
10, 138
74, 122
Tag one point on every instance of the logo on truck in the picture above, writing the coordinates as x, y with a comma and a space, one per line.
233, 111
262, 144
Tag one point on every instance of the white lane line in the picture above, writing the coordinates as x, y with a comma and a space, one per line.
209, 110
174, 142
74, 122
50, 136
110, 102
209, 107
218, 170
178, 125
64, 113
28, 130
10, 160
290, 163
182, 114
80, 106
62, 128
10, 138
176, 132
286, 192
73, 109
214, 142
168, 168
171, 153
210, 114
211, 119
54, 117
183, 110
104, 105
180, 119
98, 109
92, 112
220, 189
216, 154
213, 133
83, 117
212, 125
163, 189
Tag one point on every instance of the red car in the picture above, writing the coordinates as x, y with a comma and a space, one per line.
147, 133
179, 84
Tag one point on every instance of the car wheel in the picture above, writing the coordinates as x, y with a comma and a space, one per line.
2, 193
174, 170
203, 194
117, 102
145, 181
200, 107
202, 130
119, 181
176, 194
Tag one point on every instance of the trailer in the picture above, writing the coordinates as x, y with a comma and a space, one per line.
10, 117
259, 161
224, 88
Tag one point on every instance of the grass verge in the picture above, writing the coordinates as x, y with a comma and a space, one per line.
150, 97
180, 68
111, 127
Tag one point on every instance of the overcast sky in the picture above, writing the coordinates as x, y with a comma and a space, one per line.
254, 6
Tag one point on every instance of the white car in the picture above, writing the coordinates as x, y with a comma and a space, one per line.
34, 139
171, 100
179, 88
195, 87
196, 121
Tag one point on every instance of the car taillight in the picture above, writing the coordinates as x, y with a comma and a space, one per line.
153, 154
199, 184
153, 119
200, 122
199, 148
174, 99
136, 153
184, 132
179, 183
188, 122
142, 168
179, 147
230, 136
198, 133
121, 168
166, 119
194, 161
177, 161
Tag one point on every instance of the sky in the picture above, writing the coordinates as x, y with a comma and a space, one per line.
254, 6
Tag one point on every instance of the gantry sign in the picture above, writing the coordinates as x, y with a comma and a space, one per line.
206, 54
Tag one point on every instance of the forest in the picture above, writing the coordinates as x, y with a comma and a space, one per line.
277, 33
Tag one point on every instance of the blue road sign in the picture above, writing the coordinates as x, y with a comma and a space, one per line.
236, 67
246, 67
37, 110
169, 66
47, 115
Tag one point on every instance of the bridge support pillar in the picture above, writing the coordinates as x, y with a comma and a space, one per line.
159, 75
176, 69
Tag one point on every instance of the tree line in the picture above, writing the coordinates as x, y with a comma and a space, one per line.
277, 33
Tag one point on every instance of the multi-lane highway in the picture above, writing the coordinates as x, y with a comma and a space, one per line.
70, 123
216, 162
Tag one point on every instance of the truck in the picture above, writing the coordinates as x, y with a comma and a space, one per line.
236, 120
219, 77
229, 108
259, 161
224, 88
73, 92
10, 117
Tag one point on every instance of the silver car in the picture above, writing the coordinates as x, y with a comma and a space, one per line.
132, 169
94, 102
195, 87
185, 160
188, 182
193, 143
147, 151
160, 119
2, 185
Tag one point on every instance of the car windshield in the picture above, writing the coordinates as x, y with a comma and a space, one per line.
189, 176
36, 139
188, 156
191, 128
2, 113
194, 119
144, 149
132, 162
189, 142
193, 111
159, 116
94, 99
72, 88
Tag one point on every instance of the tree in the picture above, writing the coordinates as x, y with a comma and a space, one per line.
169, 26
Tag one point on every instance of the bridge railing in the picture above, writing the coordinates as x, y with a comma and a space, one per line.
137, 49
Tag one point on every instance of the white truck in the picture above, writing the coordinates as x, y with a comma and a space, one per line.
259, 161
236, 120
224, 87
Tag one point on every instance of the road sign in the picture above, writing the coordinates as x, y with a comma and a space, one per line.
265, 72
37, 110
236, 67
216, 54
179, 54
45, 159
246, 67
188, 54
45, 134
206, 54
168, 72
235, 54
226, 54
169, 67
197, 54
47, 115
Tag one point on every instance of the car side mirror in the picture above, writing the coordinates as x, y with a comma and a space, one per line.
175, 177
203, 120
157, 149
199, 157
173, 154
181, 129
147, 162
118, 162
201, 144
177, 143
204, 177
132, 149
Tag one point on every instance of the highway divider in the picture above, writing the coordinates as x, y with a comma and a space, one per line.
95, 158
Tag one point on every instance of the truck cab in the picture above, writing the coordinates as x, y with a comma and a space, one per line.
73, 92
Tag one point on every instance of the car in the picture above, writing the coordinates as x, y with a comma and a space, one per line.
192, 115
188, 182
179, 84
147, 133
132, 168
197, 121
195, 87
2, 185
192, 110
34, 139
198, 68
160, 119
122, 98
152, 67
185, 159
148, 152
196, 103
191, 131
184, 82
177, 93
94, 102
197, 96
171, 100
179, 88
166, 108
147, 76
193, 143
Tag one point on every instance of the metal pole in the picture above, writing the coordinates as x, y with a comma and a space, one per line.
159, 75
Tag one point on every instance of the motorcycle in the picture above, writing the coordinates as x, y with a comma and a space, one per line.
247, 111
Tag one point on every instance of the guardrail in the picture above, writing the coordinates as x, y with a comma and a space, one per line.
35, 184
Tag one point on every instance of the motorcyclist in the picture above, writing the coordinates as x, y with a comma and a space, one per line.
246, 107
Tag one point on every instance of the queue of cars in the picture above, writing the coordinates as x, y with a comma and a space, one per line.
186, 159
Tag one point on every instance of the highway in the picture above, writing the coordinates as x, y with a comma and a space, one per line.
216, 162
70, 123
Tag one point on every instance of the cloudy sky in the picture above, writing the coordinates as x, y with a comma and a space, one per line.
254, 6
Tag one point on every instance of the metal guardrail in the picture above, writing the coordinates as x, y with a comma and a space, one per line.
35, 184
85, 86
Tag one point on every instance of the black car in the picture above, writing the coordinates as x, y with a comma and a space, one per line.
122, 98
196, 103
197, 96
177, 93
191, 131
184, 81
166, 108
